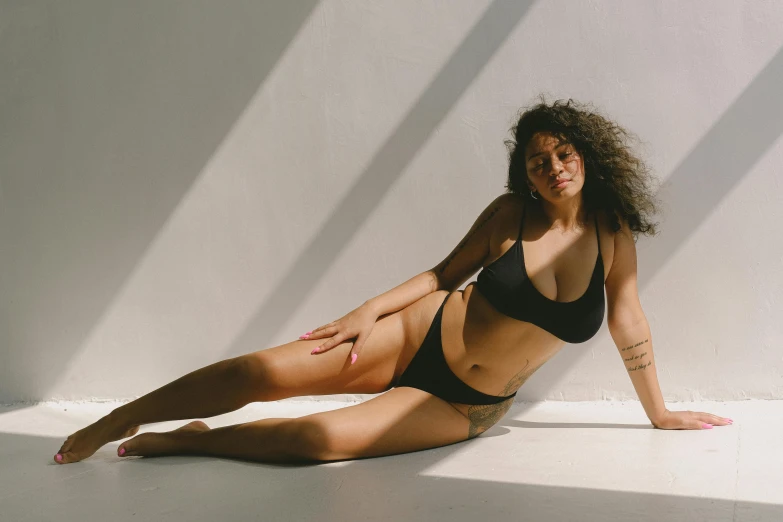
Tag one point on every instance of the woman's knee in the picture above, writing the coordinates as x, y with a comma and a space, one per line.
267, 379
248, 371
310, 440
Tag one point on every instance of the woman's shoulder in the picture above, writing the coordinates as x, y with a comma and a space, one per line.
511, 202
503, 208
609, 219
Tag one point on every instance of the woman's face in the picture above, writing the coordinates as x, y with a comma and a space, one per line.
548, 159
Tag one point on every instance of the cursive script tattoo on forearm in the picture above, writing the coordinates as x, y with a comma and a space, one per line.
636, 359
634, 345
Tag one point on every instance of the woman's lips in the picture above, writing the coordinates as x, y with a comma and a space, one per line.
562, 184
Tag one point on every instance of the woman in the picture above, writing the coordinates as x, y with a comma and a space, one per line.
449, 361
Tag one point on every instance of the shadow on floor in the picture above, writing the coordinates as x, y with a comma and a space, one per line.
386, 488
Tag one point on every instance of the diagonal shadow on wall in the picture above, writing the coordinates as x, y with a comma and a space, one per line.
454, 78
108, 113
737, 140
742, 134
722, 157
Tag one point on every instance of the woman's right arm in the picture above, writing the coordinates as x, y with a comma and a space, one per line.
463, 261
401, 296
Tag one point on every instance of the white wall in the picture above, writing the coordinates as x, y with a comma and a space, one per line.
182, 182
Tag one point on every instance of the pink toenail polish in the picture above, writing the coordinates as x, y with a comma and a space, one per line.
706, 426
122, 452
58, 457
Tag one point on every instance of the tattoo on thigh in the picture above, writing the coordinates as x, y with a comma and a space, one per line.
484, 416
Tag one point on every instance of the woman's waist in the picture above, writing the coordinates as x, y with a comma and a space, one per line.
480, 336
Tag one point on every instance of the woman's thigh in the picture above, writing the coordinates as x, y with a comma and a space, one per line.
401, 420
417, 320
290, 370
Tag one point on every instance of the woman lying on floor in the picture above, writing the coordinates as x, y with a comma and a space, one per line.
447, 363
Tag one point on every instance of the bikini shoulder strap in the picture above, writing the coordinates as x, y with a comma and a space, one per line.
522, 221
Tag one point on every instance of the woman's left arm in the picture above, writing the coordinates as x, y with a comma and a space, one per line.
631, 334
635, 346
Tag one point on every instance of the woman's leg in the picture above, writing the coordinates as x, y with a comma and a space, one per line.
399, 421
212, 390
285, 371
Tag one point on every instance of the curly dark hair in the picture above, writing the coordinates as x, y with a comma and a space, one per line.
615, 178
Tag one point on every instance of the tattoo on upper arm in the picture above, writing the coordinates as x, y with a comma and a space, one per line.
484, 416
462, 244
638, 358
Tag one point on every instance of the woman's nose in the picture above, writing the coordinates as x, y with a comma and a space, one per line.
557, 167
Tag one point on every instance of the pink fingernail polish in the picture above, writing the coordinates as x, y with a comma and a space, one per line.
315, 350
353, 358
122, 452
706, 426
308, 333
58, 457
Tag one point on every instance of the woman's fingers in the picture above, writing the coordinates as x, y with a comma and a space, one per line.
328, 345
318, 333
706, 421
714, 419
357, 347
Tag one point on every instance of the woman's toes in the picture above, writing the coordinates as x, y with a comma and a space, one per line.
65, 457
126, 448
122, 450
60, 457
137, 446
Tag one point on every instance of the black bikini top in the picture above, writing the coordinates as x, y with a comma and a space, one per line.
506, 285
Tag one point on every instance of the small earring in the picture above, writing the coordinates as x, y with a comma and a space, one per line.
532, 196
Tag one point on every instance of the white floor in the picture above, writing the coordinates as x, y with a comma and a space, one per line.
543, 462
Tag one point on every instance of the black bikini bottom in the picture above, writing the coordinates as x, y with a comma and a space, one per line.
429, 371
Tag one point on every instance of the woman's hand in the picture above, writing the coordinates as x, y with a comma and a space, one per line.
356, 324
689, 420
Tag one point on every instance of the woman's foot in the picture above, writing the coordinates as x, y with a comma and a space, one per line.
86, 441
158, 444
